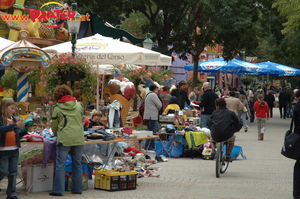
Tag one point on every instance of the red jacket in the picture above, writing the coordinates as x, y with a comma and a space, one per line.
261, 111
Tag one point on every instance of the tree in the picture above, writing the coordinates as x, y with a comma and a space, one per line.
187, 26
291, 10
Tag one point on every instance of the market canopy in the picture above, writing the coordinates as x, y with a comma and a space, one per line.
221, 66
105, 50
275, 69
4, 43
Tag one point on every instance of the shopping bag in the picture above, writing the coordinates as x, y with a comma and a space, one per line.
291, 145
236, 151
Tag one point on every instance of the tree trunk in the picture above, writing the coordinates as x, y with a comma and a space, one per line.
195, 71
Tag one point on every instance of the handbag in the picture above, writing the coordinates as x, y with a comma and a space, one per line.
244, 109
291, 145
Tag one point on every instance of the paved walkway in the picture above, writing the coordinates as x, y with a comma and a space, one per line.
265, 174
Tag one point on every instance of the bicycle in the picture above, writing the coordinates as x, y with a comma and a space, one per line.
221, 164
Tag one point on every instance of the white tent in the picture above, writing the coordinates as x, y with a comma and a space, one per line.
4, 43
99, 50
105, 50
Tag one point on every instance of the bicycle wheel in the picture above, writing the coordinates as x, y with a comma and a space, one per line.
224, 164
218, 159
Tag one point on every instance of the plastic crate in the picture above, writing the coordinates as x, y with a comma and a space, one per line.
113, 180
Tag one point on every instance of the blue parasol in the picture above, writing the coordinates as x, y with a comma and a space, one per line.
220, 65
274, 69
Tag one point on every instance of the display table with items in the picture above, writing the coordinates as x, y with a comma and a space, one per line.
38, 150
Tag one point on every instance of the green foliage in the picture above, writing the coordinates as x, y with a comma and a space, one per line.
134, 75
51, 77
247, 80
9, 79
189, 82
290, 10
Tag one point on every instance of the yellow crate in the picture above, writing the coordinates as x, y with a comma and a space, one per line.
114, 180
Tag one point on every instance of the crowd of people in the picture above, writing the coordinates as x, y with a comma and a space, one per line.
234, 104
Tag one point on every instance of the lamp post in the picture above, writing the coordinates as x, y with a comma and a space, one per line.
147, 43
74, 26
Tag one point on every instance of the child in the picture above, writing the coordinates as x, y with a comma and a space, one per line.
102, 107
262, 115
223, 123
9, 145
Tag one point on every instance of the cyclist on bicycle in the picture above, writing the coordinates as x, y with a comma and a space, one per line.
223, 123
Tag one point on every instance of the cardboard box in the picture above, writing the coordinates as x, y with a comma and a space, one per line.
141, 134
40, 179
190, 113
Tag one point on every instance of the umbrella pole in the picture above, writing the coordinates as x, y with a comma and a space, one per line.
97, 100
102, 87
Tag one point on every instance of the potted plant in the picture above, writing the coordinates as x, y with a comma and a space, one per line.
247, 81
66, 68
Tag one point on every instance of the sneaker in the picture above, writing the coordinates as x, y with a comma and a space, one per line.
229, 159
158, 159
164, 158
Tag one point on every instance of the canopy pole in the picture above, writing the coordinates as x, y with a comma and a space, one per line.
102, 87
97, 100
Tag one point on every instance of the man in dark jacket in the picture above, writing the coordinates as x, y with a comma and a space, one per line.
223, 124
284, 100
181, 94
207, 103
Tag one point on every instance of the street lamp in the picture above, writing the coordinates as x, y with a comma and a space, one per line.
74, 26
147, 43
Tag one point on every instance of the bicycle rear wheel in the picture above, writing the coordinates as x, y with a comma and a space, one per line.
218, 159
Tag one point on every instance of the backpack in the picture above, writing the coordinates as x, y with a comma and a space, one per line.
142, 108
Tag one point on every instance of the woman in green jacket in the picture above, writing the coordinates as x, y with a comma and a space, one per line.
67, 124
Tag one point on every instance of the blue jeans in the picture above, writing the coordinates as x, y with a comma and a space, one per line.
152, 126
204, 119
61, 158
9, 166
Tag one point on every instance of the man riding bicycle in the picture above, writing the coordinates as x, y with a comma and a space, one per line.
223, 123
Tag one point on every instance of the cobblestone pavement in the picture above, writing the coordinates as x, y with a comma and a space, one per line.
264, 174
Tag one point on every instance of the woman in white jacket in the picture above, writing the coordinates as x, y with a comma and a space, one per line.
152, 107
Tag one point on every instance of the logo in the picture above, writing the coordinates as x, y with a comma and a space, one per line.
56, 13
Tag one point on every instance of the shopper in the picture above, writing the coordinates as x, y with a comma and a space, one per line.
67, 125
181, 94
208, 102
284, 100
262, 115
151, 114
9, 146
296, 118
270, 99
244, 112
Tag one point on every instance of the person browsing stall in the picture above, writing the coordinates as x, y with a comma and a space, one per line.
172, 105
67, 124
9, 145
152, 107
223, 123
207, 102
181, 94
